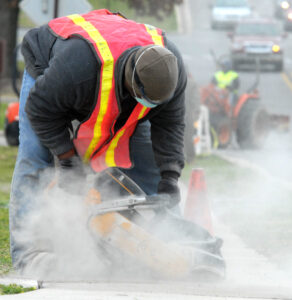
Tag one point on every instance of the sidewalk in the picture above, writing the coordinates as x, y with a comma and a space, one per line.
2, 139
249, 275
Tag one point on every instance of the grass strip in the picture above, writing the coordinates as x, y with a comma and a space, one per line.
7, 162
5, 259
3, 107
14, 289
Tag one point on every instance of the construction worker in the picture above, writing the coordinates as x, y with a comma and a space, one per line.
123, 83
226, 78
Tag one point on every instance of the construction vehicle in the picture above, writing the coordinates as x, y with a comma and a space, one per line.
129, 226
247, 119
11, 124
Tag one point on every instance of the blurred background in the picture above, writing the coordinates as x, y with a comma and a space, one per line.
244, 148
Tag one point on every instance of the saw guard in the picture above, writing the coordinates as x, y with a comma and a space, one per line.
140, 239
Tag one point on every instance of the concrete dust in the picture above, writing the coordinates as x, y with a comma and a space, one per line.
247, 218
253, 214
60, 246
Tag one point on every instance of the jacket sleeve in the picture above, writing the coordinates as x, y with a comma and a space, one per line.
65, 87
167, 126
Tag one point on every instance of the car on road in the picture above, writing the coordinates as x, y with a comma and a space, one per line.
281, 7
226, 13
258, 39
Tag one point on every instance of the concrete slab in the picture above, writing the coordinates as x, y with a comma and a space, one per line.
249, 275
2, 139
159, 290
56, 294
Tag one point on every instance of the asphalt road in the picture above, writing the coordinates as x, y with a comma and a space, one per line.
275, 87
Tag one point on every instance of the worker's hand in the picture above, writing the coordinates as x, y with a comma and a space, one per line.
71, 175
168, 185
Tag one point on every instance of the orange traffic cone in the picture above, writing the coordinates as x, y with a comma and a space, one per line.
197, 208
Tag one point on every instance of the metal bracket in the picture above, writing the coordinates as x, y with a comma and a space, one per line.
128, 203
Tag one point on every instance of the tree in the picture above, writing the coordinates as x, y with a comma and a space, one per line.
9, 10
158, 9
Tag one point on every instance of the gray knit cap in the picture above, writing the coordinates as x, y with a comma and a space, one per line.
156, 69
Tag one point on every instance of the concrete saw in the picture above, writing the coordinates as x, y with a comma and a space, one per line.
130, 226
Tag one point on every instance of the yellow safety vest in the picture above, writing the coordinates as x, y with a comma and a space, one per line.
225, 79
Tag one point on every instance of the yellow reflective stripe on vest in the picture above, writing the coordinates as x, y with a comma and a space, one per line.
106, 77
110, 153
142, 112
157, 38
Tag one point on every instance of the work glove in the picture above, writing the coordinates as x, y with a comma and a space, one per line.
168, 187
71, 175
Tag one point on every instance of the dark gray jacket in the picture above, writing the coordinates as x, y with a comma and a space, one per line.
67, 72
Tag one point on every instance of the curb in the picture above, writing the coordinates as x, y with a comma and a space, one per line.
26, 283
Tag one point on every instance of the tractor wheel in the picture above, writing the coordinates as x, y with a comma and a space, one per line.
11, 132
252, 125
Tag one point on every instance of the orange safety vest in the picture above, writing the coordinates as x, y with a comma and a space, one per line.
109, 35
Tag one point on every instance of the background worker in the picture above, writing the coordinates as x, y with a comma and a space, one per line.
226, 78
123, 83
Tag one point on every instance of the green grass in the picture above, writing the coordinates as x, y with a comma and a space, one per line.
218, 172
5, 260
14, 289
7, 161
24, 21
3, 107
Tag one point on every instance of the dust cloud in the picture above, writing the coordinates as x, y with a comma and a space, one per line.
59, 246
252, 213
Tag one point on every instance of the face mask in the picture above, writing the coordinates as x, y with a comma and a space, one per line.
145, 102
